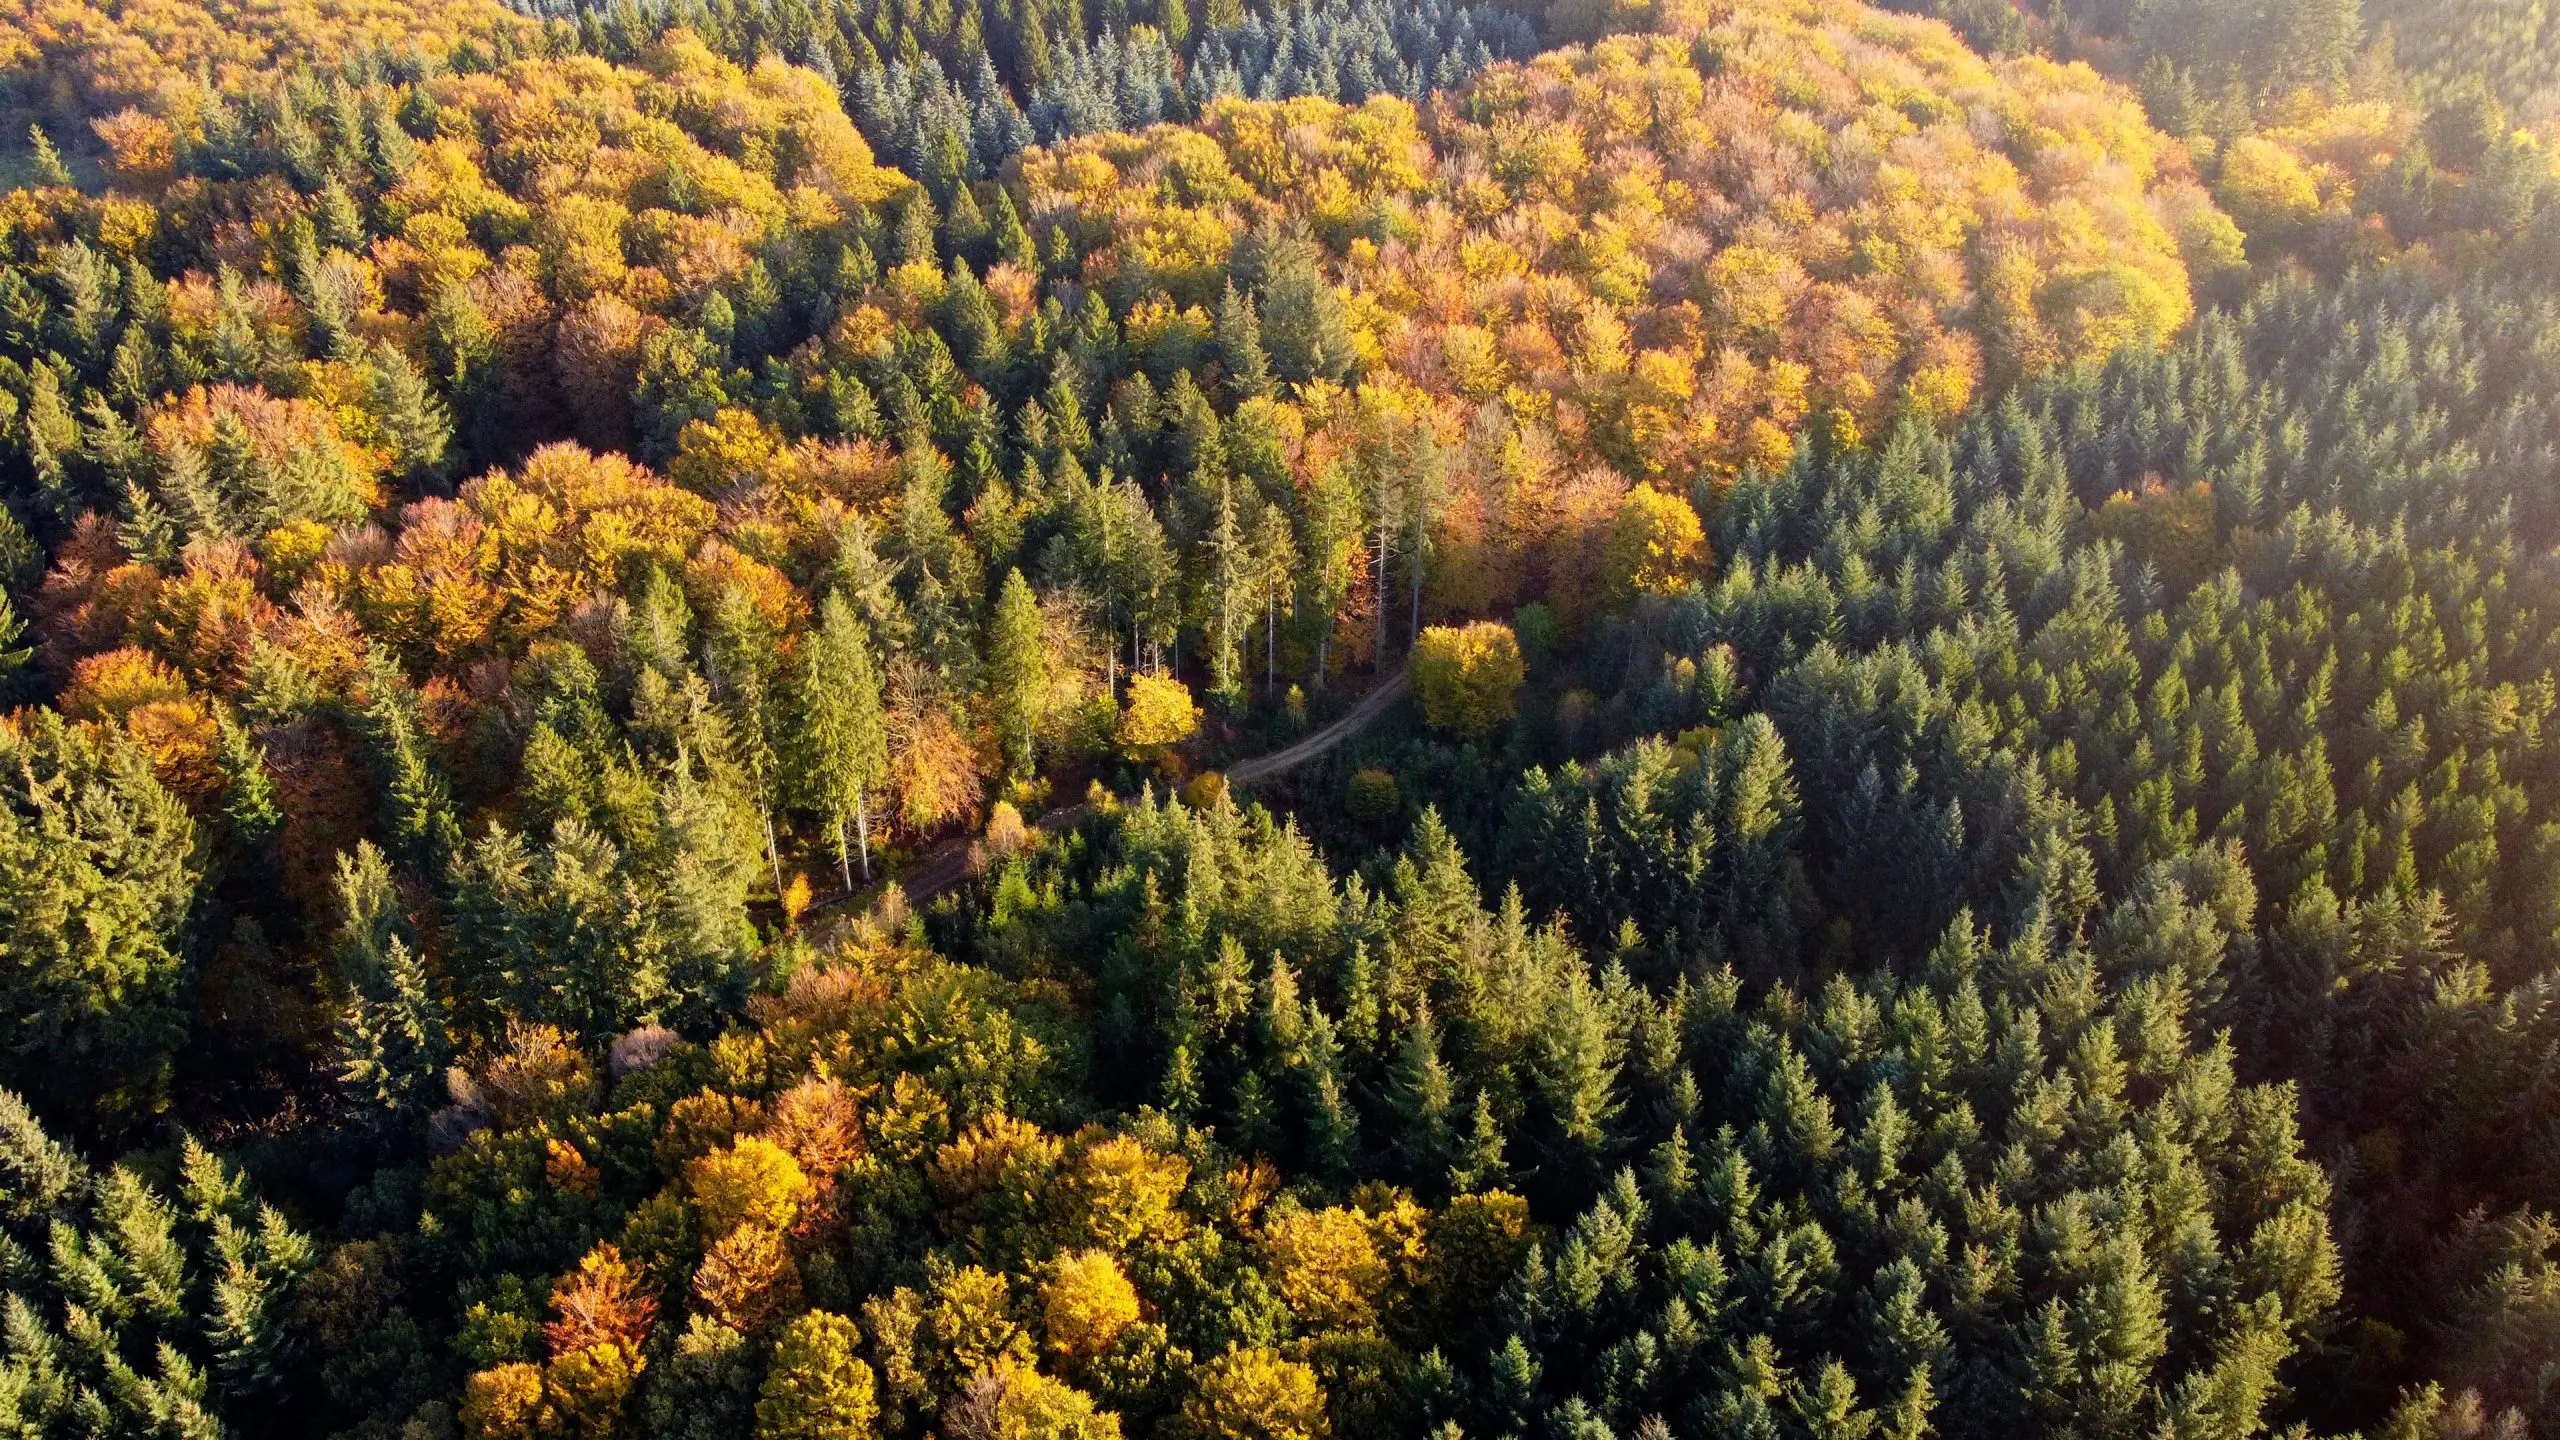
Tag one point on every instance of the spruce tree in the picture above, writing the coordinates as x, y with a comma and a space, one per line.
1017, 669
739, 649
1228, 595
1421, 1094
843, 740
391, 1029
1248, 367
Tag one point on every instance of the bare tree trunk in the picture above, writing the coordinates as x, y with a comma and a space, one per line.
1414, 560
772, 856
862, 825
844, 861
1381, 658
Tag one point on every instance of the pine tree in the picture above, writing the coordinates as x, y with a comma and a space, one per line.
843, 736
915, 229
416, 802
249, 793
1017, 669
1421, 1093
1479, 1165
1248, 367
256, 1258
93, 849
739, 660
391, 1029
1228, 596
1275, 564
41, 1172
47, 164
1013, 240
412, 418
13, 656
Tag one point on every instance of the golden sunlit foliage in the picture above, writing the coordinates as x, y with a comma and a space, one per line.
1663, 243
1158, 713
1467, 675
91, 60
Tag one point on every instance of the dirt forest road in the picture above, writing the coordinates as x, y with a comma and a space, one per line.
1352, 722
946, 866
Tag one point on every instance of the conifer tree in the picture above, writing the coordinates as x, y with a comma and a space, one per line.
1013, 240
740, 650
1479, 1165
391, 1030
42, 1173
412, 418
99, 866
1227, 598
1426, 1112
1248, 367
417, 803
843, 740
1017, 668
13, 656
48, 166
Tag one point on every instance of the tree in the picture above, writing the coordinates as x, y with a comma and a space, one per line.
47, 162
740, 650
1248, 366
13, 656
1424, 1105
1158, 716
1017, 669
1252, 1393
416, 800
411, 417
1304, 321
1085, 1305
1226, 585
1275, 564
751, 1182
817, 1388
391, 1029
1655, 546
843, 735
1467, 677
1325, 1266
98, 874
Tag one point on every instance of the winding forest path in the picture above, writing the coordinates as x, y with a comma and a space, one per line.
1352, 722
946, 866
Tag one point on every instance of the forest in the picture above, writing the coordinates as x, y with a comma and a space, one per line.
1280, 719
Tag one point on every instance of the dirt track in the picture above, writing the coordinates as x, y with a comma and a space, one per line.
946, 866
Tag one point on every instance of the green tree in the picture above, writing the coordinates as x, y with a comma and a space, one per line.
739, 651
1227, 595
843, 738
1248, 366
98, 872
1017, 669
391, 1030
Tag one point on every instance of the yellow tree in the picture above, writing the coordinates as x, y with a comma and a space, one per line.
1085, 1305
1158, 716
1468, 676
1254, 1393
817, 1388
1655, 546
